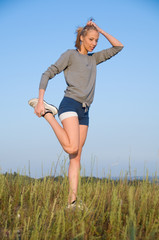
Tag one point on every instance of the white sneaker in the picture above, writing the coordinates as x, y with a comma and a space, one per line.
76, 205
71, 206
48, 107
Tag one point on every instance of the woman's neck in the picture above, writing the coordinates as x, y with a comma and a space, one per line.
83, 51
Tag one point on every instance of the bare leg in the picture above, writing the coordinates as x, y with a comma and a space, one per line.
68, 135
74, 167
72, 137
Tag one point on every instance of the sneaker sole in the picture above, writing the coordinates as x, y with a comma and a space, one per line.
33, 102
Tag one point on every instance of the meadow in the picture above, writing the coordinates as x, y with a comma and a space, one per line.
35, 209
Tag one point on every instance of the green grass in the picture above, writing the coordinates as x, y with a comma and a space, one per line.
34, 209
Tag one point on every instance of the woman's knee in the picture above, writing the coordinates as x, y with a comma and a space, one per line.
71, 149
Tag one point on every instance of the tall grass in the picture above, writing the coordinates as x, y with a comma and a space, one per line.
35, 209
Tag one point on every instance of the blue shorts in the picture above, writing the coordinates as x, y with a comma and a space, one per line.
70, 107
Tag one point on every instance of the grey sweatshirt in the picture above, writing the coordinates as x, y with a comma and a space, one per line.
79, 71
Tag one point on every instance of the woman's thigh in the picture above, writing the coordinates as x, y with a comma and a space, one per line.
83, 134
72, 129
76, 133
82, 138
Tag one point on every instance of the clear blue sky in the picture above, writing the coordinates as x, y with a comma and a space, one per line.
124, 117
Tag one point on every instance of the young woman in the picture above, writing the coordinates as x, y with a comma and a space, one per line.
79, 68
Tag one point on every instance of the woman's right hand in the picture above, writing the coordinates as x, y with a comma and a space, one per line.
39, 109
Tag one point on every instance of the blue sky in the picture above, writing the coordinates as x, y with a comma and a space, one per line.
124, 117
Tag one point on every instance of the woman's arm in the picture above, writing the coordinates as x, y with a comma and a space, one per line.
113, 41
54, 69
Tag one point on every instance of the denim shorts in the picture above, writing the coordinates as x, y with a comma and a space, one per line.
70, 107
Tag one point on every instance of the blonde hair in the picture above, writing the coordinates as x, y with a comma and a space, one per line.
82, 31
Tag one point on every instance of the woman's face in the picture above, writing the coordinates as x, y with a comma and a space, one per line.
89, 42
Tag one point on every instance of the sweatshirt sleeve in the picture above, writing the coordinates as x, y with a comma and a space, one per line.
61, 64
106, 54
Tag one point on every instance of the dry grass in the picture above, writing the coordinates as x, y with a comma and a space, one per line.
34, 209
